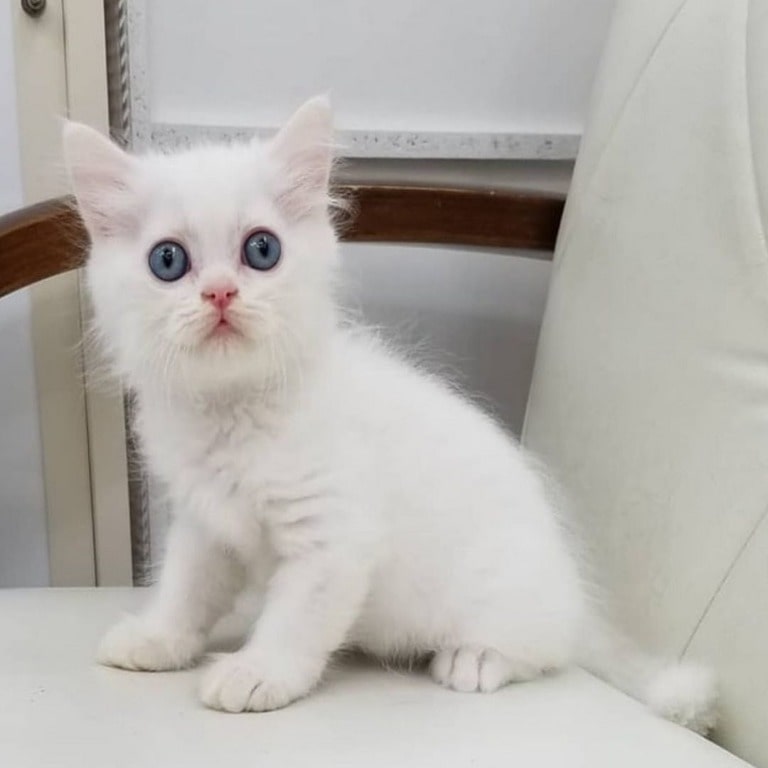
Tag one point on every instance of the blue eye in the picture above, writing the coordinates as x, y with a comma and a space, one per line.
261, 250
168, 261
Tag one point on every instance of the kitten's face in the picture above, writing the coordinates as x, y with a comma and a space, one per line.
210, 266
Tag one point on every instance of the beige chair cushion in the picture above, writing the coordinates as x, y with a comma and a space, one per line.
57, 708
650, 393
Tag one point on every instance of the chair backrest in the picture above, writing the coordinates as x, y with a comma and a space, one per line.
650, 392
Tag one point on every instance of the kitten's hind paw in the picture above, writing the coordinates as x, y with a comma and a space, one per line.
473, 668
135, 644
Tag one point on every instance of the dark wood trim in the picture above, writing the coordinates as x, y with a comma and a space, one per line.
488, 218
38, 242
48, 238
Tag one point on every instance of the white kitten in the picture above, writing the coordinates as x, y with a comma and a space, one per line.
372, 504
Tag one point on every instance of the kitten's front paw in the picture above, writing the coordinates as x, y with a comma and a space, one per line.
136, 645
242, 682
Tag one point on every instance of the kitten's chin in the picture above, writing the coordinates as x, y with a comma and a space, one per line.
226, 361
224, 358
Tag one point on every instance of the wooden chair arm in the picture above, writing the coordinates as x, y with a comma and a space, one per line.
48, 238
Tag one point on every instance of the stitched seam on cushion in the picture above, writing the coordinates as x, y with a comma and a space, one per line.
742, 549
619, 115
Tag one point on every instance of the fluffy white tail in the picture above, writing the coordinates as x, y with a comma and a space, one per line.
682, 692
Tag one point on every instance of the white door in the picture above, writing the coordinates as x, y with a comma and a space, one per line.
65, 515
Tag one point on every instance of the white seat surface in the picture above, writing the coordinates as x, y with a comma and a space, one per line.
58, 708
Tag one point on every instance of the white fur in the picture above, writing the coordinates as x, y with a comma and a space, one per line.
368, 502
685, 694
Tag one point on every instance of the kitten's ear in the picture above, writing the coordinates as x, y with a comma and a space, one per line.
304, 149
103, 177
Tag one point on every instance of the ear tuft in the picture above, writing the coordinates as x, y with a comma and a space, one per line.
303, 147
102, 177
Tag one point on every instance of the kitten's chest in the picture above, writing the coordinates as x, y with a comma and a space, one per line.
217, 464
230, 473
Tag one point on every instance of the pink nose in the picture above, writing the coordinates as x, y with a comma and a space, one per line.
220, 296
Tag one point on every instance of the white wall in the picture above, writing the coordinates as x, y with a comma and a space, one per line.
401, 65
23, 543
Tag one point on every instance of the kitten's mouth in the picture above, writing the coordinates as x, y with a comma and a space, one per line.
223, 329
